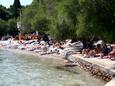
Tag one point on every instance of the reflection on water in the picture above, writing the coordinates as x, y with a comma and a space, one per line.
25, 70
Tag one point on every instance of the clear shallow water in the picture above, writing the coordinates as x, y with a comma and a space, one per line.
25, 70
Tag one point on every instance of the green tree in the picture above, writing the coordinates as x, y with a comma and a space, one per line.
3, 28
27, 17
15, 8
86, 19
4, 13
12, 27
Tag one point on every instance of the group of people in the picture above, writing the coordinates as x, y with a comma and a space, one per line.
67, 47
99, 49
42, 46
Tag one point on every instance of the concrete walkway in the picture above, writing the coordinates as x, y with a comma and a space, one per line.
104, 63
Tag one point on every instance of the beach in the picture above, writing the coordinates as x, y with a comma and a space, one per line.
95, 66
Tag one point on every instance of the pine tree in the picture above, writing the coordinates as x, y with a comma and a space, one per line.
15, 8
17, 4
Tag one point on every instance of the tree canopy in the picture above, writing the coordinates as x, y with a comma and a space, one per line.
15, 8
8, 19
62, 19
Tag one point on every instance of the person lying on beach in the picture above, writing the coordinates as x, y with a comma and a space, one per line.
111, 55
98, 51
53, 48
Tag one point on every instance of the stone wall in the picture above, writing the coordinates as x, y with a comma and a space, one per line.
95, 70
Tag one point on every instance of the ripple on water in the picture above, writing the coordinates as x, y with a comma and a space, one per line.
25, 70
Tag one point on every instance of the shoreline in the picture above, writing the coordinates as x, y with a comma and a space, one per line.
56, 58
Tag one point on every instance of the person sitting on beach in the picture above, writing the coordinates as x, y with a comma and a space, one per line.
105, 51
98, 51
111, 55
88, 50
102, 50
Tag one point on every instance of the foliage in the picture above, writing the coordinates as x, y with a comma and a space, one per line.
3, 25
15, 8
86, 19
4, 13
62, 19
8, 19
12, 27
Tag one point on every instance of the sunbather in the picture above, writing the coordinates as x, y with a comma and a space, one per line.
111, 55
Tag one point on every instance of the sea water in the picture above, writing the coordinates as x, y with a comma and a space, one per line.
26, 70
